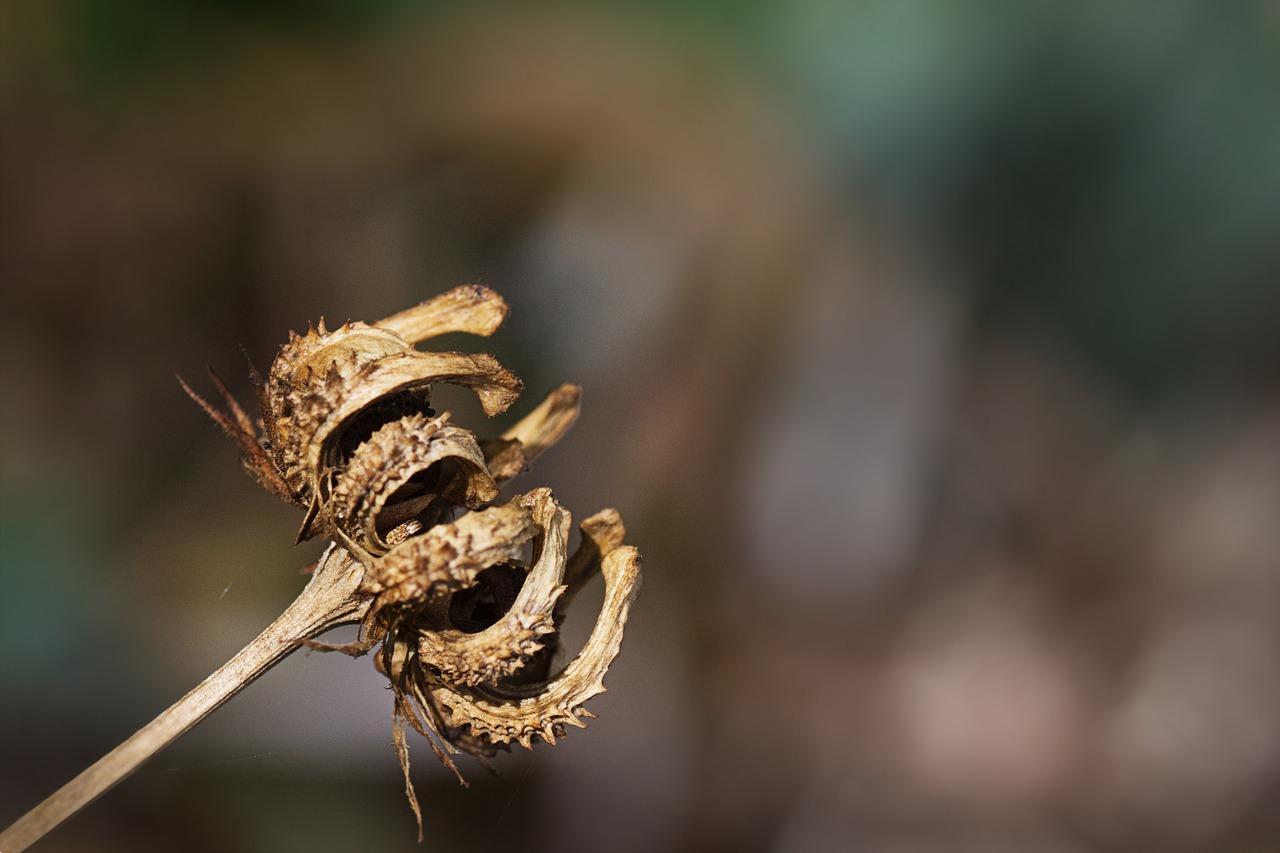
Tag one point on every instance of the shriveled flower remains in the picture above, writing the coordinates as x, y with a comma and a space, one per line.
465, 591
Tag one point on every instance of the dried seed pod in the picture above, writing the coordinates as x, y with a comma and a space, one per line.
468, 624
401, 471
504, 712
500, 713
330, 398
448, 557
474, 652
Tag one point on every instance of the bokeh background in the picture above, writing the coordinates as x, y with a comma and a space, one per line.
929, 349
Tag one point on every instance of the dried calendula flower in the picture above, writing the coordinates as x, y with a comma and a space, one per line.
463, 591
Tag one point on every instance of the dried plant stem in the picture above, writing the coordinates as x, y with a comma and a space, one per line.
328, 600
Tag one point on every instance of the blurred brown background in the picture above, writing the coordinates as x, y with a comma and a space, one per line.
929, 351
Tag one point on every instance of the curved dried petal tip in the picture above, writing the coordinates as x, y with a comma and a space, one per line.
473, 308
511, 454
548, 423
602, 534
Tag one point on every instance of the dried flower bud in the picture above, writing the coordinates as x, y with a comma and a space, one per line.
468, 626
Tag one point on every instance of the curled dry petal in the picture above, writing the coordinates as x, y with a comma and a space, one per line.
474, 309
511, 454
548, 423
602, 534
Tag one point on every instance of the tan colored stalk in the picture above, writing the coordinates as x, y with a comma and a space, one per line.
329, 599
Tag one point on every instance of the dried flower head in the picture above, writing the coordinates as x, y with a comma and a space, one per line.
466, 593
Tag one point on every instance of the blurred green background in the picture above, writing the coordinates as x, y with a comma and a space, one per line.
929, 351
